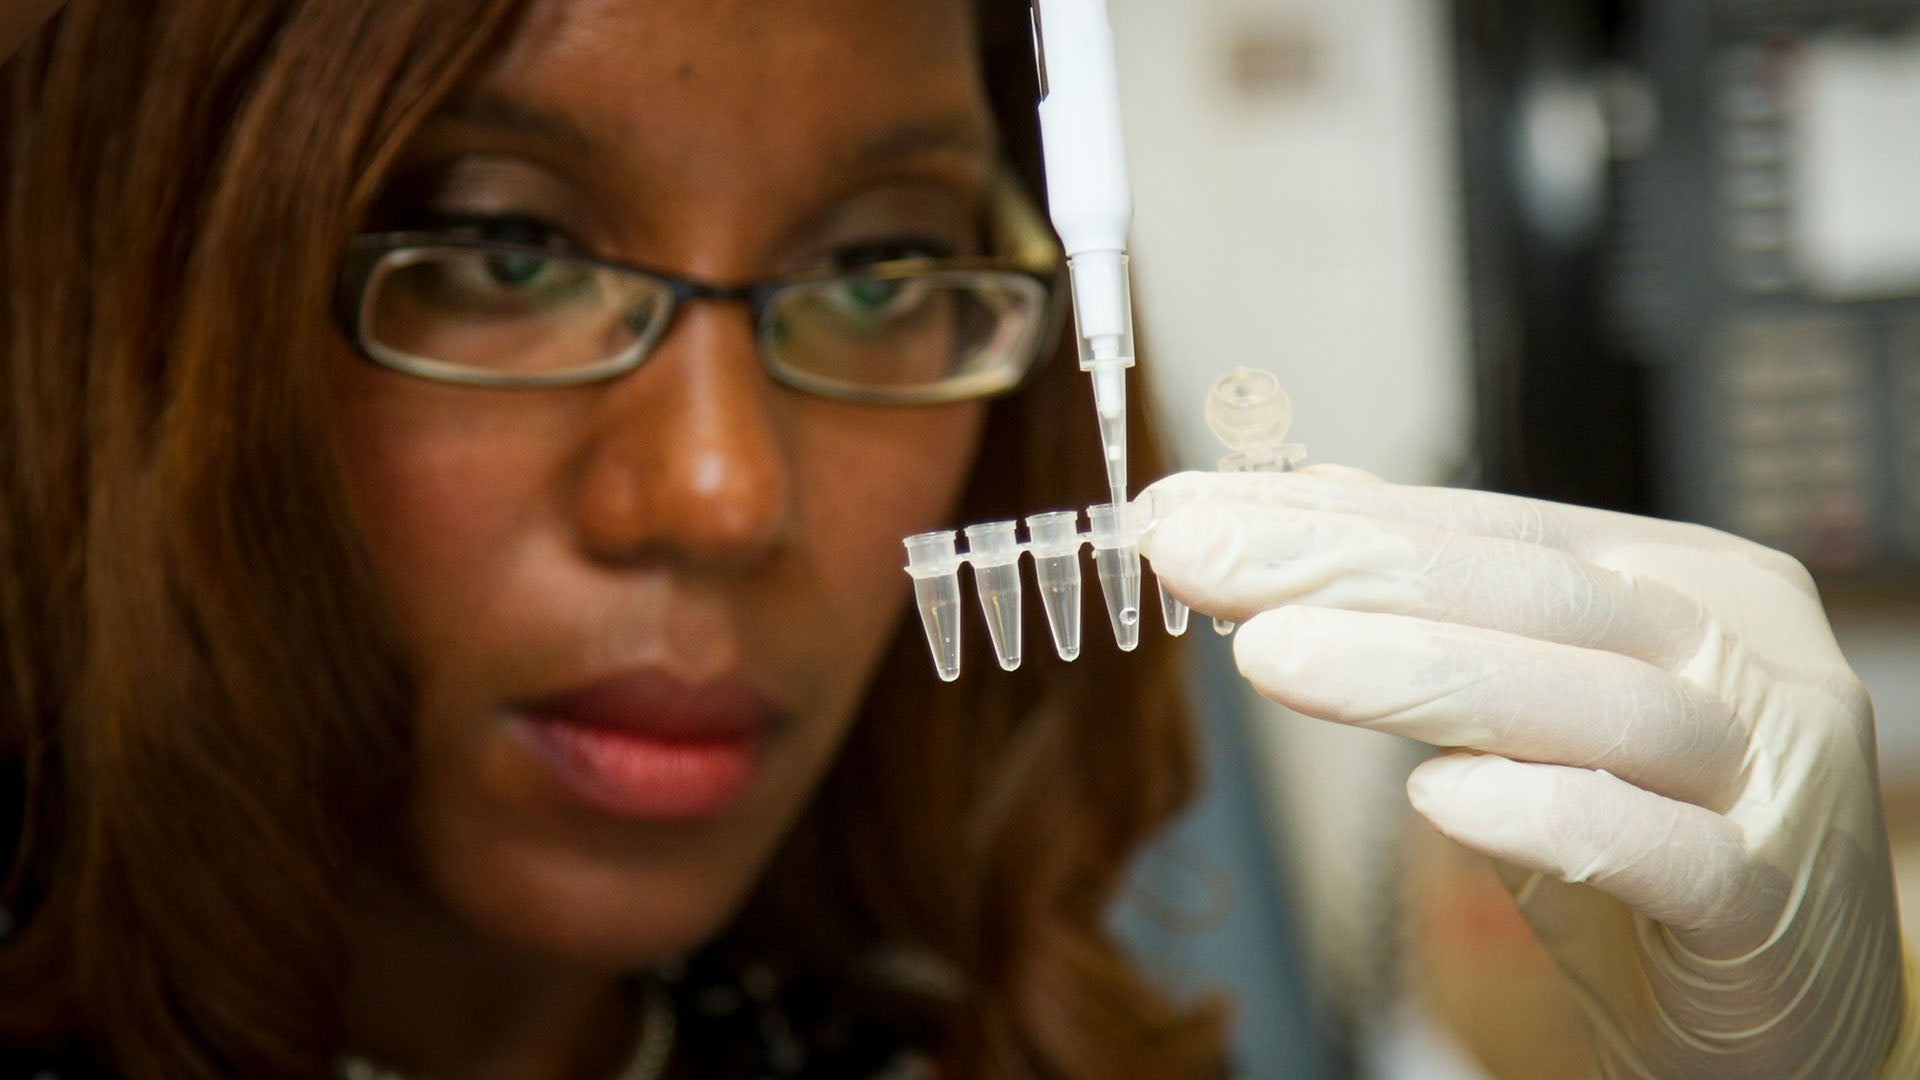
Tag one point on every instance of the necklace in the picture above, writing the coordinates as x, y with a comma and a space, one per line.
649, 1059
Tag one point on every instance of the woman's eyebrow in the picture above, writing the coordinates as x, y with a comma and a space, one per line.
957, 133
504, 114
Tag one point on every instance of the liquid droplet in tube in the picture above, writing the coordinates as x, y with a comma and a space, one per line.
1223, 627
1116, 555
1120, 583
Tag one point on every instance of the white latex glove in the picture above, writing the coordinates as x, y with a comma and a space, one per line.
1653, 733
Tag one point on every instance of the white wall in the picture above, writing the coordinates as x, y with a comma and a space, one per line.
1303, 219
1306, 225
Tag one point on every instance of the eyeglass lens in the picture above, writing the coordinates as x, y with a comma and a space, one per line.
529, 314
902, 333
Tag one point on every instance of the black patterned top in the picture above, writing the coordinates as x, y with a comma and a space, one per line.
740, 1021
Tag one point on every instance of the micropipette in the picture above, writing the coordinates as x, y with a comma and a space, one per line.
1090, 202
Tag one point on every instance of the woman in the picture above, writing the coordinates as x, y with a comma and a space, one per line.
362, 711
452, 599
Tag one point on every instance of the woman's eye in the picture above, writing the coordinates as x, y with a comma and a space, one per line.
519, 279
478, 281
873, 300
516, 269
497, 284
871, 295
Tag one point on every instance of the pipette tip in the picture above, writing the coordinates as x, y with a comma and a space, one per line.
1113, 446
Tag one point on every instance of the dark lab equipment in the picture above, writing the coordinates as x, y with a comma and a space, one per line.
1694, 253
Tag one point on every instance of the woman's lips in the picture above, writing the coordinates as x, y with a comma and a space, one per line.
650, 746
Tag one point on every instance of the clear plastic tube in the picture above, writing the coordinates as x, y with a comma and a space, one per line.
995, 554
1054, 542
1174, 613
1116, 555
1120, 583
1250, 413
935, 568
1000, 602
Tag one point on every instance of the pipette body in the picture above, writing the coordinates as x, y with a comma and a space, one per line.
1090, 202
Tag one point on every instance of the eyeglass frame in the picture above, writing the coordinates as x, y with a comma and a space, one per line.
1013, 224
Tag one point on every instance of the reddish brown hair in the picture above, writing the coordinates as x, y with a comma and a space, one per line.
201, 709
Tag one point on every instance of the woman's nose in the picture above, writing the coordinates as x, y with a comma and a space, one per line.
688, 456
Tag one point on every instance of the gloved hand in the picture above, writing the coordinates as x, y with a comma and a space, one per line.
1650, 729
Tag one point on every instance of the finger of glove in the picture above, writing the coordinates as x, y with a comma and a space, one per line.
1578, 530
1329, 471
1462, 686
1236, 559
1678, 864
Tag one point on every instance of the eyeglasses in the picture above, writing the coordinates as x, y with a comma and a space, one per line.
913, 331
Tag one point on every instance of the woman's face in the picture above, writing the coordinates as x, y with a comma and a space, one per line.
643, 613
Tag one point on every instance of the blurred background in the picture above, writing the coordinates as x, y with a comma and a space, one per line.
1657, 256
